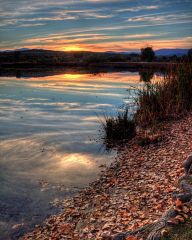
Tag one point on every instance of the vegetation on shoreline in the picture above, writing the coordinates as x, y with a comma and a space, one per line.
170, 98
41, 57
158, 101
119, 127
147, 54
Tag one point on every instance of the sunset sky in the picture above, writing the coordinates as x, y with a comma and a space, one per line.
95, 25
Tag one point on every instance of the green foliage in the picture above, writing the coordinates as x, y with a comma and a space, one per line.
147, 54
119, 127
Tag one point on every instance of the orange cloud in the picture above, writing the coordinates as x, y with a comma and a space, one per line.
113, 45
102, 42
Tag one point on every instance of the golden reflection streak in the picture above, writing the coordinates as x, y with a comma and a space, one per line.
86, 81
89, 81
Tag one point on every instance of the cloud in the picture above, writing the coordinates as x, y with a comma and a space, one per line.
113, 44
84, 38
91, 22
22, 16
161, 18
135, 45
31, 24
137, 9
91, 15
121, 46
147, 19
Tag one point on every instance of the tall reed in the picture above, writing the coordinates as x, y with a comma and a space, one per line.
156, 102
168, 98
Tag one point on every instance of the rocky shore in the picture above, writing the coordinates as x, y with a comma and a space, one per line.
134, 191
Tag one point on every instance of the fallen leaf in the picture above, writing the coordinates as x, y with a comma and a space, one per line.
178, 203
131, 238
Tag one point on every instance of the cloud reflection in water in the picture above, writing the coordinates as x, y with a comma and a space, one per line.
47, 131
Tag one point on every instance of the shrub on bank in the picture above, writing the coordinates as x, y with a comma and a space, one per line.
119, 127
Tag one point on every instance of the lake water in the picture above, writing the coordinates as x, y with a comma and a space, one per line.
48, 131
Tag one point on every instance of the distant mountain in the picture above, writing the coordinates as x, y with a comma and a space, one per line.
18, 50
124, 53
22, 49
160, 52
171, 52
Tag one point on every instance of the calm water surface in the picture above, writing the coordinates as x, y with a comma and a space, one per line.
48, 127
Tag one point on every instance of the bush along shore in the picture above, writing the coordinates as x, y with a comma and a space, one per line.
156, 102
130, 196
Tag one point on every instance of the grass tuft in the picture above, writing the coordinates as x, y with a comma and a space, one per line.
119, 127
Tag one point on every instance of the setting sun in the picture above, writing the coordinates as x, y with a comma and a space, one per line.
72, 48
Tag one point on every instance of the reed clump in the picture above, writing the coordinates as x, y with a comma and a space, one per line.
119, 127
169, 98
166, 99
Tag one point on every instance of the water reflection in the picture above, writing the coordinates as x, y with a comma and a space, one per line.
146, 76
48, 129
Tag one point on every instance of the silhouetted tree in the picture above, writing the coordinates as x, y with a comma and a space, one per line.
174, 58
147, 54
189, 54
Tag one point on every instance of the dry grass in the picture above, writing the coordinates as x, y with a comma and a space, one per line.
119, 127
155, 102
171, 97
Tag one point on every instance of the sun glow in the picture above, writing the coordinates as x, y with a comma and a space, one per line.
73, 48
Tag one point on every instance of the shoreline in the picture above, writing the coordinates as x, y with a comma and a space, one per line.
43, 71
134, 191
128, 65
